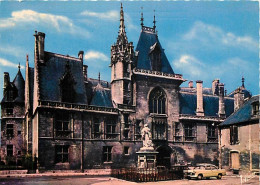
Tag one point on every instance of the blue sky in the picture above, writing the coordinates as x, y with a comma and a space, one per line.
202, 40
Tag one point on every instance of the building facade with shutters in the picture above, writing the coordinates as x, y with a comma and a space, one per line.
70, 121
239, 137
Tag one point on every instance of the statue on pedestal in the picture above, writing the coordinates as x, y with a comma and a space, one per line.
147, 138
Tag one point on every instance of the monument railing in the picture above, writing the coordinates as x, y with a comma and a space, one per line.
147, 175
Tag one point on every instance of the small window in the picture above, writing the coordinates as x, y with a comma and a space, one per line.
234, 135
126, 150
255, 109
10, 150
110, 129
19, 132
62, 125
19, 152
9, 130
159, 130
96, 128
177, 132
107, 153
9, 109
190, 131
126, 133
212, 133
62, 153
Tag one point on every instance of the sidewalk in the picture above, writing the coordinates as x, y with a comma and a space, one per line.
58, 173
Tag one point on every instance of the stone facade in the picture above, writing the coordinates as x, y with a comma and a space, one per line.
71, 121
239, 138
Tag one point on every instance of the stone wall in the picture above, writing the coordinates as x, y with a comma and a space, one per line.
247, 147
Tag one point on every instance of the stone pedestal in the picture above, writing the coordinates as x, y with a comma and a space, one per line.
146, 158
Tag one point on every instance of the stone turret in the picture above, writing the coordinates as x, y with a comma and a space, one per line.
122, 54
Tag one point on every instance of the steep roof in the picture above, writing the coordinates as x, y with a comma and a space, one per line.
20, 85
101, 97
18, 88
247, 94
52, 71
188, 104
243, 114
147, 41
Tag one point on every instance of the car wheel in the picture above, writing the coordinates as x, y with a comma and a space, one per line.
219, 176
199, 177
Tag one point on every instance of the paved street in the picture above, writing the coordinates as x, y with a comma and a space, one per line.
112, 181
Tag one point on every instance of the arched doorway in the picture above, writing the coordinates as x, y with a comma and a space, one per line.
164, 156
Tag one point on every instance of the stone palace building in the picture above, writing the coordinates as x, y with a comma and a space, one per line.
70, 121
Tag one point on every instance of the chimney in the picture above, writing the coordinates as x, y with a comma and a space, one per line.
238, 99
39, 46
41, 37
6, 81
80, 55
85, 72
221, 103
190, 84
200, 110
215, 86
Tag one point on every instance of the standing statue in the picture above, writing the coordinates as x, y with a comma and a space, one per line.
147, 137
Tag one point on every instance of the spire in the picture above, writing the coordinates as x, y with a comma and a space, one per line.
27, 61
27, 58
122, 24
19, 66
154, 20
142, 17
99, 77
243, 80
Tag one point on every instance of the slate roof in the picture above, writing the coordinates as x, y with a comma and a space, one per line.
205, 90
243, 114
101, 97
95, 82
147, 39
53, 70
247, 94
20, 85
188, 104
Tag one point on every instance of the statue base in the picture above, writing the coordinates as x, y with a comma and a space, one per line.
146, 158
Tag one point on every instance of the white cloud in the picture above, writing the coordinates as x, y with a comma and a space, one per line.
110, 15
12, 50
95, 55
189, 65
6, 63
212, 35
60, 23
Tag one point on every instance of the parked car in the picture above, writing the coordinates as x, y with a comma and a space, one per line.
204, 170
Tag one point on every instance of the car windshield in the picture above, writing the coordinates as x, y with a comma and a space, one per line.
200, 167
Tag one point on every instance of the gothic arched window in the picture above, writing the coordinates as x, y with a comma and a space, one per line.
157, 101
67, 83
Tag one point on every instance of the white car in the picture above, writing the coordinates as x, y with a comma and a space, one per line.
204, 170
